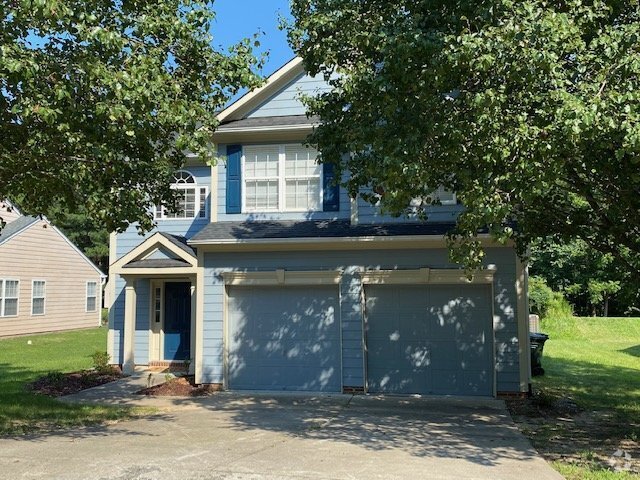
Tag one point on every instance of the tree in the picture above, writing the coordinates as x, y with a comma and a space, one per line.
588, 278
100, 100
529, 110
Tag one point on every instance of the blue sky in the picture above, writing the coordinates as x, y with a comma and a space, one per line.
237, 19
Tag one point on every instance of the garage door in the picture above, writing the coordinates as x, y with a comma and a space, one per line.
284, 338
433, 339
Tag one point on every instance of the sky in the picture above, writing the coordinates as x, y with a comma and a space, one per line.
237, 19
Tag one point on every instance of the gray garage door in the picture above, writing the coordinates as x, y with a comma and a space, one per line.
429, 339
284, 338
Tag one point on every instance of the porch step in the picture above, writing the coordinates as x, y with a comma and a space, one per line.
161, 365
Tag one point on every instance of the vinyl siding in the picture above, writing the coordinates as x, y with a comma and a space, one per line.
40, 253
371, 214
287, 100
505, 320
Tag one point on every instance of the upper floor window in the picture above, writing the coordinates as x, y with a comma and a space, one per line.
9, 294
192, 199
281, 178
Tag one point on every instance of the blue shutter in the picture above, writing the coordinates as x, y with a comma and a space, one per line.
330, 189
234, 179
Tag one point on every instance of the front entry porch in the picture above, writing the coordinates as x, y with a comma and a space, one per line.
161, 298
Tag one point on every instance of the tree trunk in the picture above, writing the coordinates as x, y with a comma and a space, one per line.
606, 306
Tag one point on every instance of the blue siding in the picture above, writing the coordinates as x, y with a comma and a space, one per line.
287, 101
130, 238
343, 213
371, 214
506, 345
141, 339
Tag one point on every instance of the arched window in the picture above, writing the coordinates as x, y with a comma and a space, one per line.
192, 199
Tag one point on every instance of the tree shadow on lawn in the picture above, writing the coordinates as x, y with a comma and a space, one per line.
633, 351
26, 415
608, 418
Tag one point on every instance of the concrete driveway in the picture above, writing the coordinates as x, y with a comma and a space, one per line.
259, 437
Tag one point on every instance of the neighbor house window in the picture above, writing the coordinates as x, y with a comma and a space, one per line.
38, 295
192, 199
92, 296
9, 294
157, 310
281, 178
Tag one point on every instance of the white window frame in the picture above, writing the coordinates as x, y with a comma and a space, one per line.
202, 192
44, 297
86, 297
282, 181
3, 290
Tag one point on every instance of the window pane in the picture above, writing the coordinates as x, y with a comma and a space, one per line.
10, 306
303, 194
300, 161
261, 195
38, 289
203, 204
91, 304
91, 289
261, 161
11, 289
37, 307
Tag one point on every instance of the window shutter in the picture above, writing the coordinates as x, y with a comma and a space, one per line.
234, 179
330, 190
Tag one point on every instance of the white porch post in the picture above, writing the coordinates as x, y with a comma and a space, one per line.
192, 364
128, 362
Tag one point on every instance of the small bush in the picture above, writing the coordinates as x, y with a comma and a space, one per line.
105, 317
540, 296
101, 361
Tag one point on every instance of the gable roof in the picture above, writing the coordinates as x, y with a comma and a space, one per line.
12, 205
253, 98
267, 122
14, 228
24, 222
180, 242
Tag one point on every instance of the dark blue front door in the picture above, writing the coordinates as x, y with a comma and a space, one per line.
177, 321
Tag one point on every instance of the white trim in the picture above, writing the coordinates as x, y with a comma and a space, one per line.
102, 275
151, 243
199, 326
425, 276
244, 104
44, 297
3, 299
439, 239
269, 128
281, 178
13, 207
160, 211
283, 277
213, 199
355, 219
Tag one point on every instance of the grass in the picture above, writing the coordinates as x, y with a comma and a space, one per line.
596, 363
20, 363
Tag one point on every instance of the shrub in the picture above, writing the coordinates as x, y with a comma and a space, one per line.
101, 361
540, 296
105, 317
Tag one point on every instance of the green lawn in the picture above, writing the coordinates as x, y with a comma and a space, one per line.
595, 362
21, 363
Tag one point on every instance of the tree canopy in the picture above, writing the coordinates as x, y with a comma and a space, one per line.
100, 100
529, 110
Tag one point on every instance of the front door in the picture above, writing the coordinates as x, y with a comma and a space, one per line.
177, 321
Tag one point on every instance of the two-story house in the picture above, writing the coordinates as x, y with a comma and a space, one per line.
272, 278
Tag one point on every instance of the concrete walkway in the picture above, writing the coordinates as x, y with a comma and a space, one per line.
277, 436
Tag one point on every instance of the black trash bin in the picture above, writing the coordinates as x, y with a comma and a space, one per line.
537, 345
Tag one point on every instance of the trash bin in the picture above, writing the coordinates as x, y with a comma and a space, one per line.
537, 345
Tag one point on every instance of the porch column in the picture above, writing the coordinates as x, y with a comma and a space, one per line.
128, 361
192, 363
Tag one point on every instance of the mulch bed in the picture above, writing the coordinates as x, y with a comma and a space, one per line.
56, 384
179, 387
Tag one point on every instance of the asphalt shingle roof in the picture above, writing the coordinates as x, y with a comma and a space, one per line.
269, 122
157, 263
18, 224
264, 230
180, 242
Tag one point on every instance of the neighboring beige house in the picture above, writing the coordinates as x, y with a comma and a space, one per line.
46, 283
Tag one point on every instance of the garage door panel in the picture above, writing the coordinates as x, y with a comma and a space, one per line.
420, 339
284, 338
